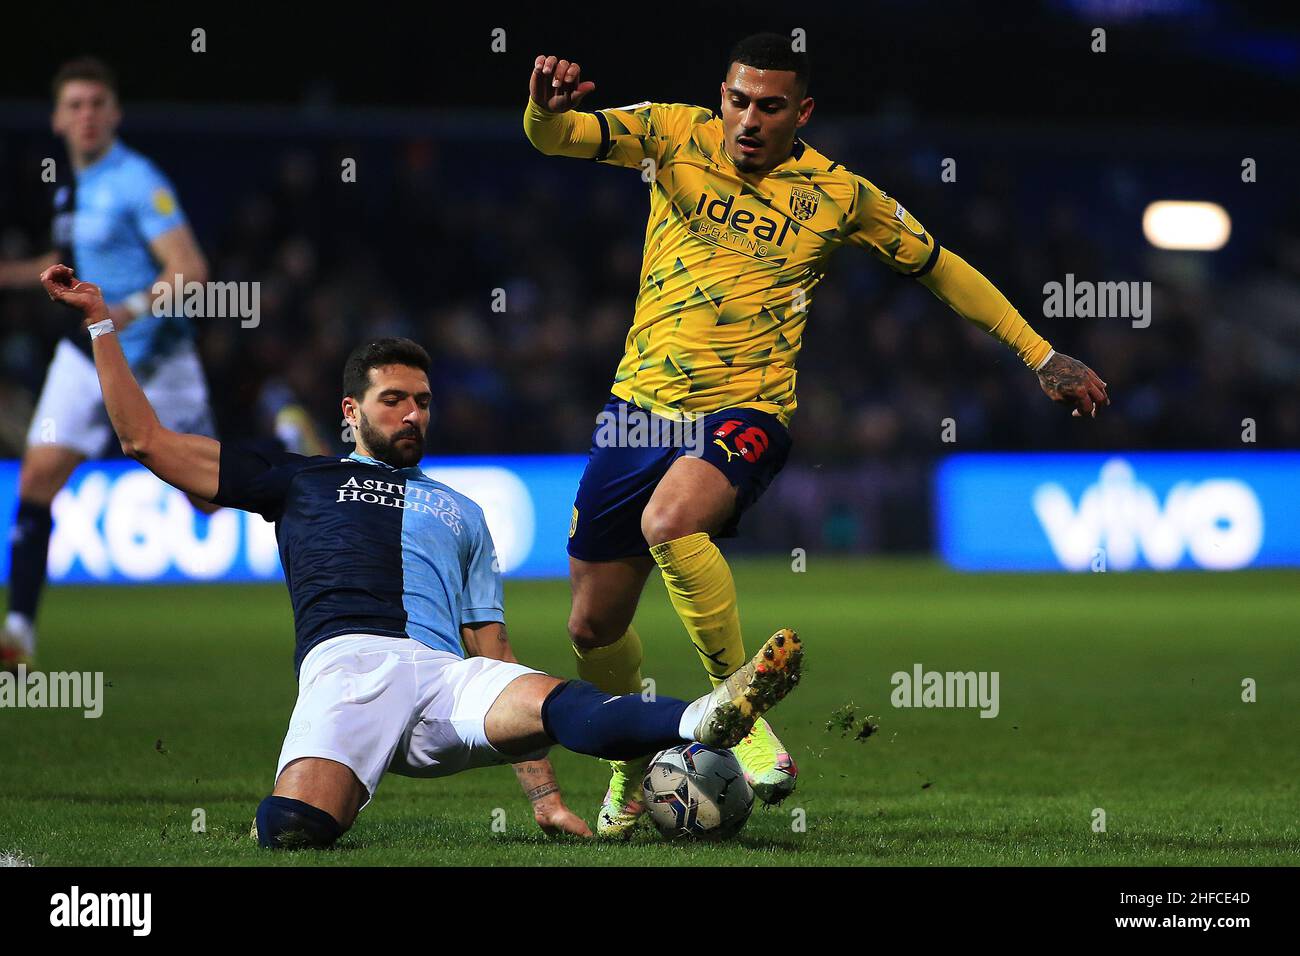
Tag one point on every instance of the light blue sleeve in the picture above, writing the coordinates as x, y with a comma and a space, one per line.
153, 202
483, 599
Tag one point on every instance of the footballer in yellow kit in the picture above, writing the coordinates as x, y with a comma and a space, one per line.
743, 218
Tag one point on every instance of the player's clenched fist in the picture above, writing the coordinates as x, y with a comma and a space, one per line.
555, 84
63, 286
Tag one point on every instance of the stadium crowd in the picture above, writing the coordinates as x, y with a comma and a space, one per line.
522, 286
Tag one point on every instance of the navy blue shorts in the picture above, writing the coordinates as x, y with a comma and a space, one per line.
748, 446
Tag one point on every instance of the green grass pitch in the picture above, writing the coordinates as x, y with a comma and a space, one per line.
1118, 692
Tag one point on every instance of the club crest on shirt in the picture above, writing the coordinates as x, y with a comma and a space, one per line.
164, 203
803, 203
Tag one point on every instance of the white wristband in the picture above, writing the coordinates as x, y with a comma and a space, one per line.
1048, 358
102, 327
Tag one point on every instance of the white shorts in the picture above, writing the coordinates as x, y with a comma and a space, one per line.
377, 703
71, 413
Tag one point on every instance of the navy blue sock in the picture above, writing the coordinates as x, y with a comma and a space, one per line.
28, 555
287, 824
582, 718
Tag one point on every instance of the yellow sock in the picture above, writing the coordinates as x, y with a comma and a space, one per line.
704, 595
614, 668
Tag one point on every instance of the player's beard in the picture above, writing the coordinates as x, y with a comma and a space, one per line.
388, 450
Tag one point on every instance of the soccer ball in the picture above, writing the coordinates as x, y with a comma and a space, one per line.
697, 791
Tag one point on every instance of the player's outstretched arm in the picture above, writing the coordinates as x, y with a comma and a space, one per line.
536, 777
967, 292
188, 462
551, 122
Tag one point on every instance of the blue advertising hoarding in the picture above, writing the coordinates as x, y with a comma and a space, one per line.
115, 523
1115, 512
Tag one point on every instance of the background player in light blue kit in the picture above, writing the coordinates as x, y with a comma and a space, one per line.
118, 222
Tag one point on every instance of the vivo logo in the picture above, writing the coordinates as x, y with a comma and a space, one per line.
1218, 523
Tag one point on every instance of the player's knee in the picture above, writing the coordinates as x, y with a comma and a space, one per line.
287, 824
667, 522
588, 630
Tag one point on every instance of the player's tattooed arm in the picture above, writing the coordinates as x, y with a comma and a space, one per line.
537, 778
487, 639
1068, 381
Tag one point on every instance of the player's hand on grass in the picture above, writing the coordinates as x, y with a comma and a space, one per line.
555, 84
1067, 381
63, 286
556, 819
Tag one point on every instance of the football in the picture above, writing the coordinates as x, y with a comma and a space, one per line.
695, 791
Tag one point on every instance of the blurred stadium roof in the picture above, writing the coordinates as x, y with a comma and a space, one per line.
1185, 62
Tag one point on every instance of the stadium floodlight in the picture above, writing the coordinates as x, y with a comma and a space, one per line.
1179, 224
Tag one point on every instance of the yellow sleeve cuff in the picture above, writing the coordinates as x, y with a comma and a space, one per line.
563, 134
965, 290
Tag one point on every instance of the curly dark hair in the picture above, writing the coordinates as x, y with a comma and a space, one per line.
390, 351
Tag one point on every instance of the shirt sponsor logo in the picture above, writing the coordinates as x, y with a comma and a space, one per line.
393, 494
717, 221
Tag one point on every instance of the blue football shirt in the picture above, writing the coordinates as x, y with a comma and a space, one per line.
368, 548
103, 224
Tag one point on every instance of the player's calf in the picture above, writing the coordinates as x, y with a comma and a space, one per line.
605, 596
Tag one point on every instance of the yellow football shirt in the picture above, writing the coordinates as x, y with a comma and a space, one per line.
731, 259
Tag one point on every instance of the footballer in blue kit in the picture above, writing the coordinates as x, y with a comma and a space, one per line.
117, 221
402, 656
